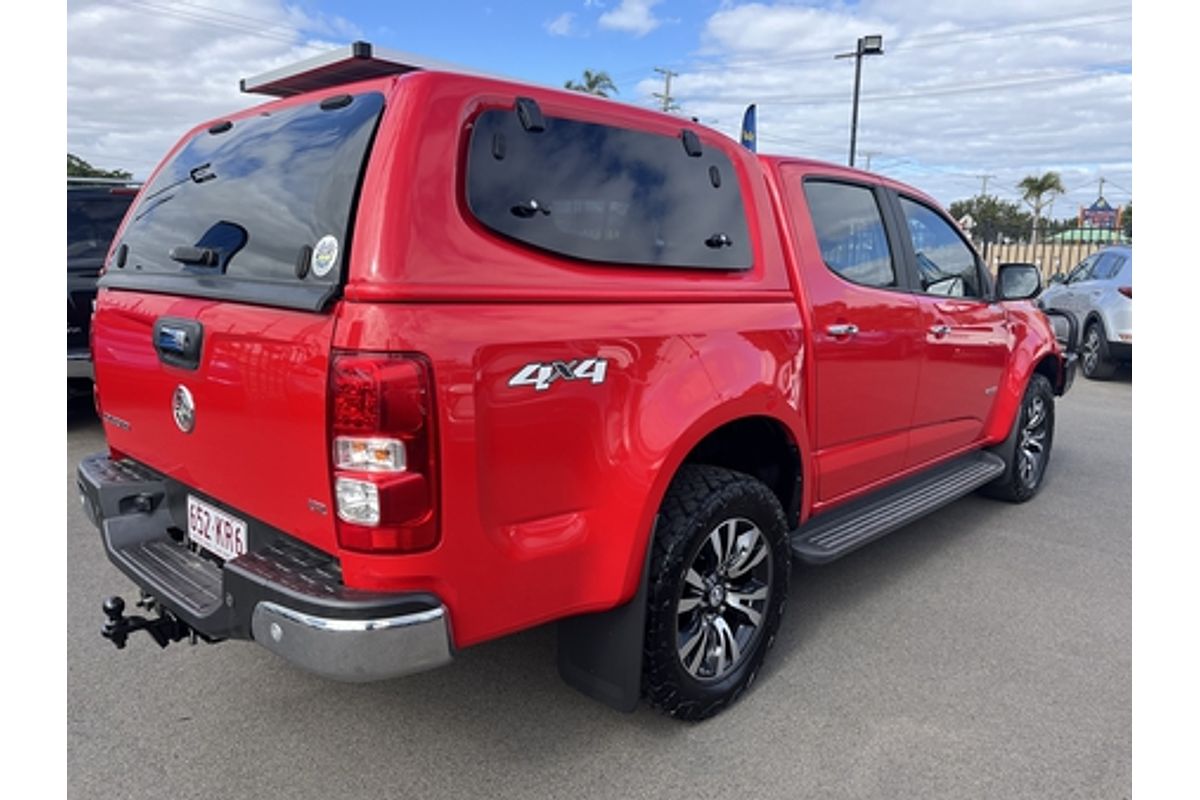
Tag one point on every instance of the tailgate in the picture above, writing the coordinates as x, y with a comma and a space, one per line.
258, 439
213, 328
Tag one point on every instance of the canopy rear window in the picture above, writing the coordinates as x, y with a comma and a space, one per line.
606, 194
257, 209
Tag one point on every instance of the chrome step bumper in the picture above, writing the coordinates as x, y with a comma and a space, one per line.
282, 594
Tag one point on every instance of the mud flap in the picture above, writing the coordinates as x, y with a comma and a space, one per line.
601, 654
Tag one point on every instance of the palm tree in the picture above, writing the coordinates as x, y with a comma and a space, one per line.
1039, 192
597, 83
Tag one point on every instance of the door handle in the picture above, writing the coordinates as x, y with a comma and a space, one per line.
841, 330
939, 330
178, 341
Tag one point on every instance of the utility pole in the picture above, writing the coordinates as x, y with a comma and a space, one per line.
668, 105
983, 189
1102, 182
867, 46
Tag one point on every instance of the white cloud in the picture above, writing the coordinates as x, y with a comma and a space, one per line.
140, 75
562, 25
632, 16
962, 90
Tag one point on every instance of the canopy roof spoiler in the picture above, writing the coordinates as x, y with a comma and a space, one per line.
356, 62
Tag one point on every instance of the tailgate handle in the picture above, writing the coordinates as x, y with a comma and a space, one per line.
177, 341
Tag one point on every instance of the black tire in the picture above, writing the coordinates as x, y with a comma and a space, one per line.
1026, 451
708, 510
1093, 354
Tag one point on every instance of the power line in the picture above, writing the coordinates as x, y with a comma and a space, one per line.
214, 20
924, 41
938, 90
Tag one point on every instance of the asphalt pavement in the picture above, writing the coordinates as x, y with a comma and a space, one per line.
983, 652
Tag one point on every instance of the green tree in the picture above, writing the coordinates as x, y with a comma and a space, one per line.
995, 219
597, 83
78, 168
1127, 220
1039, 191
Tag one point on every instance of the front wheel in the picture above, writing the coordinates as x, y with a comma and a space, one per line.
1093, 359
1027, 448
718, 585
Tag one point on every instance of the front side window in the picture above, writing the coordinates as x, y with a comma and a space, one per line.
850, 232
606, 194
1084, 270
946, 266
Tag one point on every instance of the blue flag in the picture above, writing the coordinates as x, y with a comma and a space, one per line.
749, 129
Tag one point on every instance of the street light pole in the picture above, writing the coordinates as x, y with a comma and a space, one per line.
867, 46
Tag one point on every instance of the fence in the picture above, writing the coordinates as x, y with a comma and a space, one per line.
1051, 257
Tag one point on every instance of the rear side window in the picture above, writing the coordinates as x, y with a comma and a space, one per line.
850, 232
1109, 266
606, 194
257, 210
945, 264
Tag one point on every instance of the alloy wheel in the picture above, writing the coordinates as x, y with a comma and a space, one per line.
1091, 351
1031, 452
726, 588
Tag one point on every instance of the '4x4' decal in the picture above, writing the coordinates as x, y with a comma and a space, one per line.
540, 376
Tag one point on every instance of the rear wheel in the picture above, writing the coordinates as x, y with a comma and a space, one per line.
1094, 354
718, 586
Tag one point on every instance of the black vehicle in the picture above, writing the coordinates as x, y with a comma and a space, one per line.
95, 208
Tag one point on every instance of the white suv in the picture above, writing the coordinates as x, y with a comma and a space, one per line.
1099, 294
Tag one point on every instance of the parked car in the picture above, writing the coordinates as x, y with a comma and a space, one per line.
1098, 293
394, 367
95, 207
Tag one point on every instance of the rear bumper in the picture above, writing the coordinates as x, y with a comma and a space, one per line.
281, 594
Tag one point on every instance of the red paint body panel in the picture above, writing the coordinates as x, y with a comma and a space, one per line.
960, 374
546, 499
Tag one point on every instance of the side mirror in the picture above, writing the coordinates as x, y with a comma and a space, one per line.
1018, 282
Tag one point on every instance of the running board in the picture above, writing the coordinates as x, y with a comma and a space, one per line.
836, 533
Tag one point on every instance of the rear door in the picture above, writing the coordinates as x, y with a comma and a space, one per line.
213, 329
866, 336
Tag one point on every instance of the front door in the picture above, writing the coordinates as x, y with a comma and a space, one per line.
966, 336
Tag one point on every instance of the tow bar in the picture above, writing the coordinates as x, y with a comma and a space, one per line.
164, 629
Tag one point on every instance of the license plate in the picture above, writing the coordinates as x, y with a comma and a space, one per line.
222, 534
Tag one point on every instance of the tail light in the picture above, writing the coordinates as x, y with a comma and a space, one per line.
381, 426
1127, 291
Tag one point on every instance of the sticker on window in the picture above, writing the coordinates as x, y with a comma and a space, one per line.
324, 255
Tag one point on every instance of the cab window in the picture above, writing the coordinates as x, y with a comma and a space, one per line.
945, 264
850, 232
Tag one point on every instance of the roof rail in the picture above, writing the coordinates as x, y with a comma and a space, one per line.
356, 62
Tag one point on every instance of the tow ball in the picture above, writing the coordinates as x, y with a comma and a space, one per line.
163, 629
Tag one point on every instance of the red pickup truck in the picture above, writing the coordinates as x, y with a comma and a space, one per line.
410, 359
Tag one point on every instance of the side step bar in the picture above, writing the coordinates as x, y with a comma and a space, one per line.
838, 532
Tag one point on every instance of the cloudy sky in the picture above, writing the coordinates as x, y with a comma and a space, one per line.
964, 90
